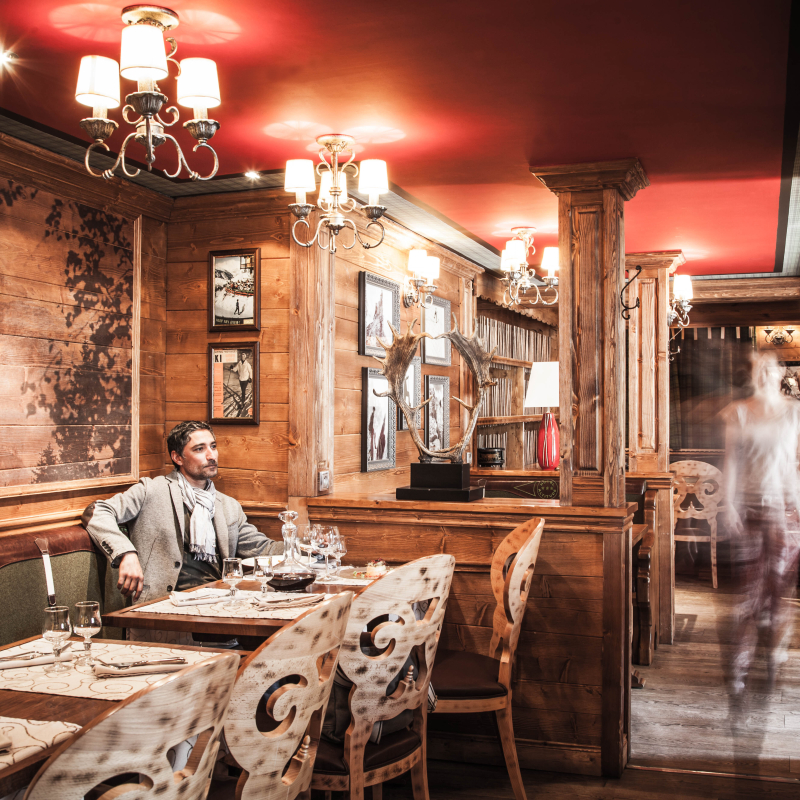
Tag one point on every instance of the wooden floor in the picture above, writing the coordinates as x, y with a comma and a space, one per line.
685, 716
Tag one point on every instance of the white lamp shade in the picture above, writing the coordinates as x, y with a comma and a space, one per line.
143, 56
682, 288
550, 260
517, 251
430, 269
98, 82
373, 178
325, 187
507, 263
416, 261
198, 83
300, 175
543, 385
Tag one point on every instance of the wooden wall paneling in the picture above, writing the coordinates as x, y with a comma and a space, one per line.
591, 349
312, 365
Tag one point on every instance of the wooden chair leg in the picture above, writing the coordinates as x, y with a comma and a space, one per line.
713, 526
505, 725
419, 775
377, 791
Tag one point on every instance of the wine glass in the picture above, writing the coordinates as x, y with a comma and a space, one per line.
264, 572
56, 630
339, 552
305, 541
232, 573
324, 541
87, 624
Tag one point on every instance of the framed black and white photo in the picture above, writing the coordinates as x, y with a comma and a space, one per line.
412, 393
437, 412
377, 423
234, 290
378, 305
233, 383
436, 320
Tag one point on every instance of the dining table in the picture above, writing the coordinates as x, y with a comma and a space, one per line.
61, 707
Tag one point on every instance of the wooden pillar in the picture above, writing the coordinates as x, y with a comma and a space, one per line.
648, 409
591, 239
312, 332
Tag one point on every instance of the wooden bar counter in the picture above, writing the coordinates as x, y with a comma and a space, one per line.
572, 685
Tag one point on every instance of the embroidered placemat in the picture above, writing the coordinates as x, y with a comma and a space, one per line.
31, 736
244, 610
80, 681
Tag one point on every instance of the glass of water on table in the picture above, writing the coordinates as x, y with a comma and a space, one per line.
87, 624
264, 572
232, 574
57, 629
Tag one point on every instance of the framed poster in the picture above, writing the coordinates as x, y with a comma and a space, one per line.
412, 393
377, 423
437, 412
234, 290
436, 320
378, 305
233, 383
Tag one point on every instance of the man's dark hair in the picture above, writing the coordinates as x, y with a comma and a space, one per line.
179, 436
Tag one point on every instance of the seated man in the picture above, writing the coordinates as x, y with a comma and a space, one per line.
179, 527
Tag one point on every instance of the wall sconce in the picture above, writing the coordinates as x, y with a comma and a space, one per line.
779, 336
419, 288
679, 308
519, 276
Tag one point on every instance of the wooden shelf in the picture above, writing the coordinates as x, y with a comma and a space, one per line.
511, 362
484, 421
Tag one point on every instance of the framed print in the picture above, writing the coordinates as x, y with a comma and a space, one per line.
437, 412
412, 393
233, 383
378, 305
377, 423
234, 290
436, 320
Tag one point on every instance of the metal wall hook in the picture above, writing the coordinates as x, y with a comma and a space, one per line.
626, 309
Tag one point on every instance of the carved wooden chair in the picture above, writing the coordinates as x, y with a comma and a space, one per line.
373, 665
276, 746
467, 683
702, 484
134, 737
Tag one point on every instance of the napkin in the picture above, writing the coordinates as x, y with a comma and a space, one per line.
110, 672
44, 658
295, 602
5, 743
199, 598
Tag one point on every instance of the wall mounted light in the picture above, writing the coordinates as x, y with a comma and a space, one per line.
144, 60
333, 200
679, 307
419, 288
779, 336
519, 277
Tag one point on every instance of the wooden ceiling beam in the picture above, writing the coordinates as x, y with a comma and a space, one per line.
727, 290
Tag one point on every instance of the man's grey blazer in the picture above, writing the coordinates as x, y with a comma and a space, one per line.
153, 512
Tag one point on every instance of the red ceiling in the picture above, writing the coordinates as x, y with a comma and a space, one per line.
480, 90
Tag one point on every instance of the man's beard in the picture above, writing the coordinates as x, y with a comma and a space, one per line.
209, 472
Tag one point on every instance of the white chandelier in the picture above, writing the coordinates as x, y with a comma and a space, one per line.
143, 59
333, 201
519, 277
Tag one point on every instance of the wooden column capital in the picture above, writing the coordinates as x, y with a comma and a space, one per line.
669, 260
626, 175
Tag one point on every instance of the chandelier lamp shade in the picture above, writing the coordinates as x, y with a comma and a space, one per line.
420, 287
519, 277
543, 393
143, 59
333, 201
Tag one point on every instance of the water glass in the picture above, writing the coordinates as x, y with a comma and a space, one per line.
339, 552
87, 624
264, 571
305, 541
57, 629
232, 573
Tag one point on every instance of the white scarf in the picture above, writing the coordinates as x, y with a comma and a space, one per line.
202, 504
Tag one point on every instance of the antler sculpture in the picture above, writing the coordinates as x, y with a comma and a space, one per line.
395, 366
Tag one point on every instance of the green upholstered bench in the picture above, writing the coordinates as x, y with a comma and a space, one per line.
80, 572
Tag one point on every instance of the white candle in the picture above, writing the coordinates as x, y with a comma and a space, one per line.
48, 575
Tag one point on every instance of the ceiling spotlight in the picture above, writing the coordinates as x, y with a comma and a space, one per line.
7, 57
253, 175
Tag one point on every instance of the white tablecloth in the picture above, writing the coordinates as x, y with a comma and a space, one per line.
31, 736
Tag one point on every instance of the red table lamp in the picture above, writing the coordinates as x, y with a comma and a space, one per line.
543, 393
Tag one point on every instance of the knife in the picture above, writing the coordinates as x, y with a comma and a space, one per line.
129, 664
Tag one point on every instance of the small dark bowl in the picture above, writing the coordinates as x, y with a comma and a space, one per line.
294, 582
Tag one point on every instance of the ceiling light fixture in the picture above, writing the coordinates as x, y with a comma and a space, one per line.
8, 57
333, 200
779, 336
252, 174
519, 276
144, 60
419, 288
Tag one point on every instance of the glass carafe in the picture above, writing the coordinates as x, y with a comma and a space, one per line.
290, 564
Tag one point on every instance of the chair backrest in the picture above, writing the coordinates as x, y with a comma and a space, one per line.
704, 482
426, 578
303, 657
135, 736
513, 564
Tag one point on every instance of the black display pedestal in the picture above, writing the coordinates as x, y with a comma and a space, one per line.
440, 481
